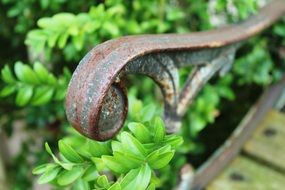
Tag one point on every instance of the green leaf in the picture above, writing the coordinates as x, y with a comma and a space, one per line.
42, 168
81, 184
24, 95
173, 140
25, 74
51, 41
113, 164
49, 175
90, 174
67, 166
115, 186
62, 40
69, 153
7, 90
78, 41
137, 178
41, 72
102, 181
98, 149
7, 75
159, 129
69, 176
162, 160
127, 161
117, 146
99, 163
151, 186
279, 30
147, 112
140, 132
132, 145
42, 95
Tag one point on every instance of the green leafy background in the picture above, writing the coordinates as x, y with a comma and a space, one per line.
43, 41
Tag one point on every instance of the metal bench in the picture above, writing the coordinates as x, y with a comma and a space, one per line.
96, 102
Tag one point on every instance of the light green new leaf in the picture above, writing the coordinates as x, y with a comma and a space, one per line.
147, 112
114, 165
159, 129
25, 73
42, 95
137, 178
132, 145
162, 160
7, 75
62, 40
24, 95
151, 186
98, 149
41, 71
67, 166
49, 175
44, 167
7, 90
173, 140
99, 163
69, 176
69, 153
140, 132
90, 174
115, 186
81, 184
102, 181
128, 161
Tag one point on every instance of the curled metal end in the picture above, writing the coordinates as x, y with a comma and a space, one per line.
110, 118
112, 115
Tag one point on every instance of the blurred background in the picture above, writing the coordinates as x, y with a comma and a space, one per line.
42, 41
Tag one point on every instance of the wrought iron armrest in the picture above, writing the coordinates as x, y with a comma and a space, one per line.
96, 102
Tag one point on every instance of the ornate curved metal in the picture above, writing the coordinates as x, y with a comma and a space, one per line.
96, 102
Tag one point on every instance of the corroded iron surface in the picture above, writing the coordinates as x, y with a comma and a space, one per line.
96, 102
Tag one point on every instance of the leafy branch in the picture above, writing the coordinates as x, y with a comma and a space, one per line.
35, 86
132, 160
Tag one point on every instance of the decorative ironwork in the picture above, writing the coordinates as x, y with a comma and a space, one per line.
96, 103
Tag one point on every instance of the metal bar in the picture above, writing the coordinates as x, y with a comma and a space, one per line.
96, 102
